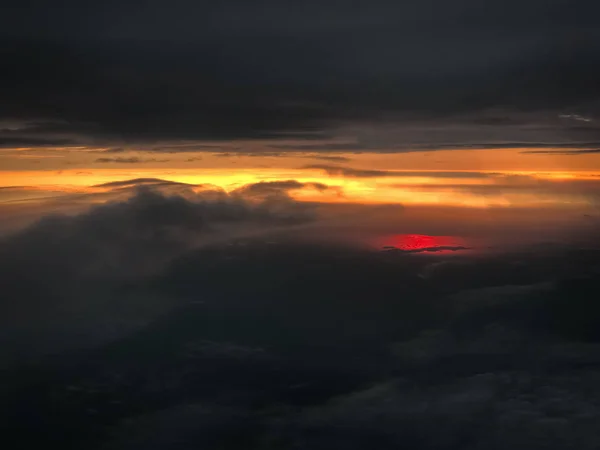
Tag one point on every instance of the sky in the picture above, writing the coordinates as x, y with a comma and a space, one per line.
300, 224
420, 103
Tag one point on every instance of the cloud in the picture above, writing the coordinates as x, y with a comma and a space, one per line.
285, 340
269, 188
20, 193
586, 151
276, 74
511, 187
337, 171
463, 141
441, 248
69, 270
270, 154
506, 410
115, 150
24, 141
491, 370
141, 181
131, 160
349, 172
325, 146
331, 158
575, 117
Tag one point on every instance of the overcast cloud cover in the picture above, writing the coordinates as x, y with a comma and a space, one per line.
439, 73
178, 316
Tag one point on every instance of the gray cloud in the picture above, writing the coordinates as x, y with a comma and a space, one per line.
131, 160
256, 329
441, 248
25, 141
278, 187
331, 158
361, 173
585, 190
463, 141
69, 270
237, 337
142, 181
114, 77
334, 147
564, 152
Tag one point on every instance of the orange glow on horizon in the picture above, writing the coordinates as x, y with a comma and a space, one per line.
422, 187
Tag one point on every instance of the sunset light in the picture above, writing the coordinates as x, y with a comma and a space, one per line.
300, 225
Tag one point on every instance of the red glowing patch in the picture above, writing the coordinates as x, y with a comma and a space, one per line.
422, 242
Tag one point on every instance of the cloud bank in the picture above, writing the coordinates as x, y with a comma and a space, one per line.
516, 72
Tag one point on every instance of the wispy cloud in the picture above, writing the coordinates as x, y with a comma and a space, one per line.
586, 151
330, 158
131, 160
575, 117
339, 171
141, 182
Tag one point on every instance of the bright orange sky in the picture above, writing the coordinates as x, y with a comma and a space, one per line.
486, 160
483, 178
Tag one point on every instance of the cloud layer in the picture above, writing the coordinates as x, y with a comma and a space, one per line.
304, 345
117, 75
61, 272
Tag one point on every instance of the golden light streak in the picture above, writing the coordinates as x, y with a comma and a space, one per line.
408, 190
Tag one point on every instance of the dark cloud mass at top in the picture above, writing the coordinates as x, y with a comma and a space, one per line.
147, 72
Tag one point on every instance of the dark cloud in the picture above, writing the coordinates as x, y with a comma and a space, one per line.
24, 141
69, 267
340, 159
252, 351
575, 147
349, 172
118, 75
237, 154
564, 152
441, 248
339, 147
215, 320
508, 410
278, 187
270, 154
362, 173
141, 181
131, 160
